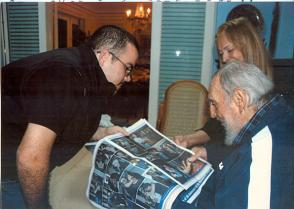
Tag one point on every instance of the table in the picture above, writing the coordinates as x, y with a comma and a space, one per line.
68, 183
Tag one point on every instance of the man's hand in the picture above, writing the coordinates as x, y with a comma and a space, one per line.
102, 132
33, 158
199, 152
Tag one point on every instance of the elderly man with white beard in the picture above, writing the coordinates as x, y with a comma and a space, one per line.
259, 172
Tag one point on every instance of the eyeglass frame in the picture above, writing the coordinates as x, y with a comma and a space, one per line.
128, 69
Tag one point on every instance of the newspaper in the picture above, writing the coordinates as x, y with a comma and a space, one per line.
143, 170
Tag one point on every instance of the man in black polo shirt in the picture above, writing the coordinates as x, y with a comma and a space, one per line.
52, 104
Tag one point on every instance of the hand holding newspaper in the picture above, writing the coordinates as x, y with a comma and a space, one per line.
143, 170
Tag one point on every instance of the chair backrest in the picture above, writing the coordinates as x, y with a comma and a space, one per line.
184, 108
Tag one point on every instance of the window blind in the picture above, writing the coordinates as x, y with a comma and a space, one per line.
23, 29
181, 43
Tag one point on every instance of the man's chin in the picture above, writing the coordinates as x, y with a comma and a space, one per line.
229, 140
230, 134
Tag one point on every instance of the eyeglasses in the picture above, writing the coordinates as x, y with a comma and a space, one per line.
129, 69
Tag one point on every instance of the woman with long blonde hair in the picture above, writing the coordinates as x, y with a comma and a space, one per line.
240, 36
236, 39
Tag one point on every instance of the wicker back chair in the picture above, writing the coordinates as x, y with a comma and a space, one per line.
184, 108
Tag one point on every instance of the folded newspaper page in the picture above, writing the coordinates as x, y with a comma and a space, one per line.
143, 170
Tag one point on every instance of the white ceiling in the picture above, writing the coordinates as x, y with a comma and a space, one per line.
110, 7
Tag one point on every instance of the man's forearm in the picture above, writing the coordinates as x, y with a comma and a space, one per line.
34, 185
33, 159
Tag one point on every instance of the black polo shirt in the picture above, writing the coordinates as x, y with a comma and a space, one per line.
64, 90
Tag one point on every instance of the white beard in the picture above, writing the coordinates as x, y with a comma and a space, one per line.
231, 133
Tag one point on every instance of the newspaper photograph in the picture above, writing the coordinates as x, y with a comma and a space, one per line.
143, 170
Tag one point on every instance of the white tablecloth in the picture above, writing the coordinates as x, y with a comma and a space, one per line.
68, 183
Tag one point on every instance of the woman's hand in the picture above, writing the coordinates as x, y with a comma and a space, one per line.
181, 141
190, 140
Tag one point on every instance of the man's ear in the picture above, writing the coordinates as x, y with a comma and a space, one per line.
103, 56
241, 99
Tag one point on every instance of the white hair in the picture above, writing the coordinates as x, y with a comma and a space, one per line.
247, 77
